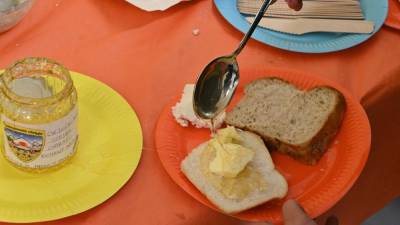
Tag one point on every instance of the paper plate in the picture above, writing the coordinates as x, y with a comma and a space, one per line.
374, 10
393, 19
110, 145
317, 188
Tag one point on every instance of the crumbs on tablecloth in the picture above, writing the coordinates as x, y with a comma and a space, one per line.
196, 31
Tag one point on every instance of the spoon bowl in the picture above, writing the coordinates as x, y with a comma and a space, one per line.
217, 83
216, 86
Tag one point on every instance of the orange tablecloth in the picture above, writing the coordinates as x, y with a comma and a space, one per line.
148, 57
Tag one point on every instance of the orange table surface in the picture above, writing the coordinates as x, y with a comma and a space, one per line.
149, 56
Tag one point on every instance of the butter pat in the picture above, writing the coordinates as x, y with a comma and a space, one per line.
184, 113
230, 157
229, 135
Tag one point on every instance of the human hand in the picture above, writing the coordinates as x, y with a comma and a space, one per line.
294, 4
293, 214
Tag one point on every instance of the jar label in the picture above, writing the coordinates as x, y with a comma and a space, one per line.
40, 145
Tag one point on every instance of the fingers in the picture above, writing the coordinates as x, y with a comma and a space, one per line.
332, 220
293, 214
295, 4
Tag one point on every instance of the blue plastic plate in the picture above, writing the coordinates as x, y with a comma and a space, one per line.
374, 10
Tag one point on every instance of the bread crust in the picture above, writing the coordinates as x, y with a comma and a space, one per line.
311, 151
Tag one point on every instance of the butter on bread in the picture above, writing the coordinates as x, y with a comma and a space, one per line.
275, 184
231, 157
295, 122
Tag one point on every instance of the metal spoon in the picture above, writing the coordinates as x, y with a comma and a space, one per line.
217, 83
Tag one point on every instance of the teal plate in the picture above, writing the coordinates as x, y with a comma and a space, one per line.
319, 42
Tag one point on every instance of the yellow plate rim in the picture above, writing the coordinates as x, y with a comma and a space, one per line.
100, 195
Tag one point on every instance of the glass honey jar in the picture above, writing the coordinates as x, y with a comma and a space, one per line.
39, 114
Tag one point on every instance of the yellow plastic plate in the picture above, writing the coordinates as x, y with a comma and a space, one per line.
110, 145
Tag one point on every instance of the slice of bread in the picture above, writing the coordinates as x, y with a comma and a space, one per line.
275, 183
298, 123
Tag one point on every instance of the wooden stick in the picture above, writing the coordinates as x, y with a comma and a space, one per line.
302, 26
338, 9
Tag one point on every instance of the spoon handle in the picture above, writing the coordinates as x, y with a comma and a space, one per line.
253, 26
